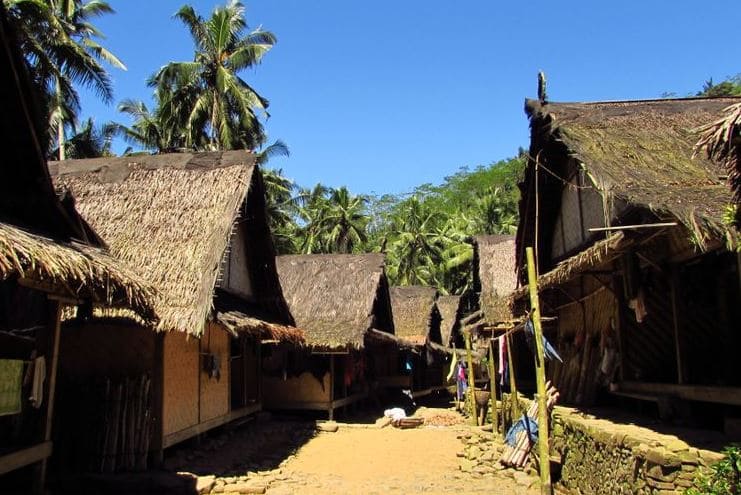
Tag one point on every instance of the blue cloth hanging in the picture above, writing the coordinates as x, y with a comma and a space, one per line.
525, 423
548, 350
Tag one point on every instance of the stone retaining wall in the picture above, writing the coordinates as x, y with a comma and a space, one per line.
599, 456
602, 457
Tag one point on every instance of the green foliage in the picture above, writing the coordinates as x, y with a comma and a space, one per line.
724, 477
62, 49
205, 102
729, 87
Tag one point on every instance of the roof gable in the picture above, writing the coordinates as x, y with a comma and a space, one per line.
640, 152
414, 312
169, 217
332, 296
494, 275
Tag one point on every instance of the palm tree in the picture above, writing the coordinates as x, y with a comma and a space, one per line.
148, 130
206, 97
496, 214
345, 221
59, 43
89, 141
415, 245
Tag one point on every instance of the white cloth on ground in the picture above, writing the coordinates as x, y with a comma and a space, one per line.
396, 413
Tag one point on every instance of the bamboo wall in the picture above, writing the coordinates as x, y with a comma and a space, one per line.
585, 329
181, 370
214, 401
302, 388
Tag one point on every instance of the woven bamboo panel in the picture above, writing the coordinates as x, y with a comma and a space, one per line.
181, 382
302, 388
215, 392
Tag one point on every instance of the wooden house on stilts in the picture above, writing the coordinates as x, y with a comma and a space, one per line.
634, 249
192, 225
50, 260
417, 322
341, 303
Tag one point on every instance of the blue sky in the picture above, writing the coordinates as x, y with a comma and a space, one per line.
386, 95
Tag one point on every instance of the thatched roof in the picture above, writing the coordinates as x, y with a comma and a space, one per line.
641, 152
84, 271
596, 255
415, 313
336, 298
37, 230
170, 217
241, 317
449, 309
494, 275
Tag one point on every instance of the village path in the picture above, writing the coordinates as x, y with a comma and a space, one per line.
385, 461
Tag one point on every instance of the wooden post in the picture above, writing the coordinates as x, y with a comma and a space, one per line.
156, 448
543, 450
674, 285
620, 325
471, 378
258, 343
331, 387
493, 390
51, 352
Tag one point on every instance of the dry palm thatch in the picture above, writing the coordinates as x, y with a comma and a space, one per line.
414, 313
74, 269
169, 217
641, 153
598, 254
237, 322
494, 275
449, 308
336, 298
721, 141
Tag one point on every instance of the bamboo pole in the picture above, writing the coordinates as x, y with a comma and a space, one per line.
471, 378
493, 389
543, 450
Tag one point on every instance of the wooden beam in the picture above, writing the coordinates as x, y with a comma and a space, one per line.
699, 393
637, 226
25, 457
179, 436
51, 352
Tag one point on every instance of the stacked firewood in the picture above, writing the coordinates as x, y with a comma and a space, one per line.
517, 456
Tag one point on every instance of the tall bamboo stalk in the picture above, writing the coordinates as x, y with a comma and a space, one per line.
543, 450
471, 378
493, 388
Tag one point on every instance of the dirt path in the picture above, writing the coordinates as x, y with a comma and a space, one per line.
385, 461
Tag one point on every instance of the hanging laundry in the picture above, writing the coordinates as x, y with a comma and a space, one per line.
461, 382
638, 305
11, 376
39, 376
500, 348
548, 351
503, 360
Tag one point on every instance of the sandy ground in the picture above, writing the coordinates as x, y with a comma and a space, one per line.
385, 461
